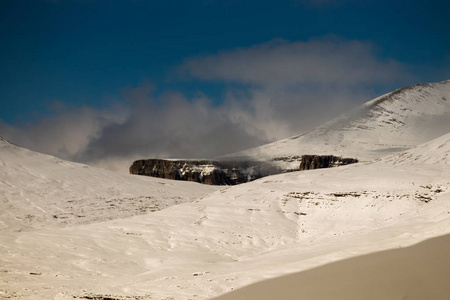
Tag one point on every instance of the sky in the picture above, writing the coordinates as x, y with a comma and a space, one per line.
108, 82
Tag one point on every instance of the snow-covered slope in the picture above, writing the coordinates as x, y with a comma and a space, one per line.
436, 151
37, 190
391, 123
238, 235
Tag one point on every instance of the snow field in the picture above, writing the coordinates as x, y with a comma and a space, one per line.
234, 236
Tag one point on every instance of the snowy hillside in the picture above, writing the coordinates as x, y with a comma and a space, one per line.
38, 190
232, 237
436, 151
391, 123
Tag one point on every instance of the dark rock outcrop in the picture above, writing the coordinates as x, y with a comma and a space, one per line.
310, 162
204, 171
227, 172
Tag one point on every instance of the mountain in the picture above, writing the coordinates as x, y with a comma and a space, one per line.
38, 190
71, 231
390, 123
227, 239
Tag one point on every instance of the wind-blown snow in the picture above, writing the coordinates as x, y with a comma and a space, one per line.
229, 238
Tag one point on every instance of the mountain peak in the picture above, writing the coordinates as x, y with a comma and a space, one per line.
403, 93
393, 122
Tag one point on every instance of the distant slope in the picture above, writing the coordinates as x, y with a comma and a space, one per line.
436, 151
393, 122
39, 190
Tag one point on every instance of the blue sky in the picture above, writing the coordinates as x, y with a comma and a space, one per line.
247, 69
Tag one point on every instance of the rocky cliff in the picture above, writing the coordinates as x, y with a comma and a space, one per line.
204, 171
310, 162
226, 172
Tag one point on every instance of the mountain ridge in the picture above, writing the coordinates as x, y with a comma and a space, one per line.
390, 123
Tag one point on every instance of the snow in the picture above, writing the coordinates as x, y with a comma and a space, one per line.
388, 124
38, 190
231, 237
434, 152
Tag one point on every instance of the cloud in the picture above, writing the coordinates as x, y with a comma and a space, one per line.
278, 114
65, 132
142, 126
282, 89
289, 87
280, 62
170, 126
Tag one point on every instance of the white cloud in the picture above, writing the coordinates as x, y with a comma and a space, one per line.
65, 133
283, 63
170, 126
289, 87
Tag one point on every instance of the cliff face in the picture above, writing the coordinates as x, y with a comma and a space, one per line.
204, 171
310, 162
226, 172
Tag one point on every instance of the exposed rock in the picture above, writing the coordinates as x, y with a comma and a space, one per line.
310, 162
225, 172
204, 171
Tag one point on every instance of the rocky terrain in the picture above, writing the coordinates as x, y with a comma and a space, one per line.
310, 162
214, 172
204, 171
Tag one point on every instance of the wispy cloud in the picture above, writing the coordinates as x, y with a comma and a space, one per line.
281, 62
170, 126
143, 126
291, 86
65, 132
